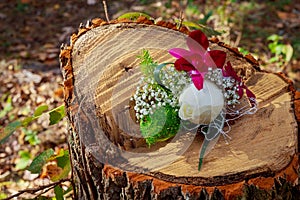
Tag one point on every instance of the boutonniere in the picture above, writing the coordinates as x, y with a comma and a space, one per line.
200, 90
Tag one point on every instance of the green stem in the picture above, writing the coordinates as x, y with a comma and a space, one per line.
156, 74
203, 149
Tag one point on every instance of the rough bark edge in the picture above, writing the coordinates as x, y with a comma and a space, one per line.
118, 184
295, 106
229, 191
143, 185
236, 51
105, 182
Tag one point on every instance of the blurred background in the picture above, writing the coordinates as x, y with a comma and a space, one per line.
32, 31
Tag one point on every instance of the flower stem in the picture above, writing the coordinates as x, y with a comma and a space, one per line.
202, 152
156, 75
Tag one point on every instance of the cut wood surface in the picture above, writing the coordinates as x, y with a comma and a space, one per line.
101, 74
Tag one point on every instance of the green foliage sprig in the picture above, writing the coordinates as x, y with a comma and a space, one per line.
147, 64
161, 125
62, 158
155, 106
55, 115
282, 52
31, 136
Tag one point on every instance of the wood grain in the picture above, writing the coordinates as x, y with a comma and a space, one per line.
105, 74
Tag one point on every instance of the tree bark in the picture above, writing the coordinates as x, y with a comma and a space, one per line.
112, 161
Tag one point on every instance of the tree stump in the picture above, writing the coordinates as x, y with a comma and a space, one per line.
111, 160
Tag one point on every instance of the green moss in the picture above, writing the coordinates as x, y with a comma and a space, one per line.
161, 125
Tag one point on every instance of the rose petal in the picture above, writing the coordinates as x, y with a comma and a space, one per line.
218, 57
197, 78
200, 37
178, 52
183, 65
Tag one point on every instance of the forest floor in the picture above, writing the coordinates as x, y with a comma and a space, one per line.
32, 32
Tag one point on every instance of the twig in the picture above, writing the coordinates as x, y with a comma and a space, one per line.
35, 190
238, 39
45, 190
181, 14
181, 19
105, 10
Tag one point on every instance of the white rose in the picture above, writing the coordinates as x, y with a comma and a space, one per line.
201, 106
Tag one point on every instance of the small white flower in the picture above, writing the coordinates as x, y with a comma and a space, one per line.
145, 112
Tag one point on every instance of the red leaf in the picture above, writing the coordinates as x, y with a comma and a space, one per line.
200, 37
197, 78
218, 57
182, 64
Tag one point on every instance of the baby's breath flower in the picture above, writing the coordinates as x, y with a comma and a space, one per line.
150, 95
228, 84
231, 89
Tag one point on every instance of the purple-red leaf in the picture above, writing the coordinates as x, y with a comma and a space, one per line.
229, 71
218, 57
197, 78
183, 65
200, 37
179, 53
198, 59
251, 97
